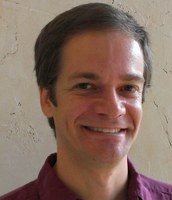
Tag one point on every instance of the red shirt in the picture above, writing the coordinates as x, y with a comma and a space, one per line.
48, 187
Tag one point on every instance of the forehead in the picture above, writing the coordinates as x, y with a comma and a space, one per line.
101, 50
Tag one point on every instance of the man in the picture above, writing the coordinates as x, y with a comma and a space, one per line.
93, 65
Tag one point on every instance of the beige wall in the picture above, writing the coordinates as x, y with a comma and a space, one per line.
25, 138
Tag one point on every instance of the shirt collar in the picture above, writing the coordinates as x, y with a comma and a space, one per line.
51, 187
134, 185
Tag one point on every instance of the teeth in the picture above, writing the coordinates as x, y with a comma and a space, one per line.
102, 130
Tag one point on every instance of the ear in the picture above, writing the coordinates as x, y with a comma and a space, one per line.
46, 104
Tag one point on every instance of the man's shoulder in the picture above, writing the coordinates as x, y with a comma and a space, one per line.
26, 192
156, 186
146, 187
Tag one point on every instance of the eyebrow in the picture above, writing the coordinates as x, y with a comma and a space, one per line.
93, 76
87, 75
131, 77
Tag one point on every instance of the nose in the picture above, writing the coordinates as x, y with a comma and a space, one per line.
110, 105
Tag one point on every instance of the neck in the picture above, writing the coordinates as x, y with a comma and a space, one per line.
108, 183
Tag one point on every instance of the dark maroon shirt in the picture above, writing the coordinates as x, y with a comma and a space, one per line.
48, 187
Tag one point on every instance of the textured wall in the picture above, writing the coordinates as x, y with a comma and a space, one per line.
25, 138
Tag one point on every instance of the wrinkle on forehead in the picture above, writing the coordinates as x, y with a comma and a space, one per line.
89, 51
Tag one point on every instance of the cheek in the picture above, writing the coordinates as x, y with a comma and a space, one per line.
135, 112
138, 113
72, 108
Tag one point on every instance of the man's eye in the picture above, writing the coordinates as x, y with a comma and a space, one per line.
84, 86
130, 88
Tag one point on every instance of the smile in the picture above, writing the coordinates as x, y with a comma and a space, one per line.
104, 130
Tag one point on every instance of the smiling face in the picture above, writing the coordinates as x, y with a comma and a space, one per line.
99, 94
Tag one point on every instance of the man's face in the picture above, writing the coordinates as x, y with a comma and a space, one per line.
99, 94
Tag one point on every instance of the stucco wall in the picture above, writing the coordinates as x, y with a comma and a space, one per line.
25, 138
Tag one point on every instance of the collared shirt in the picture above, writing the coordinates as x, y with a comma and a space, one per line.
49, 187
